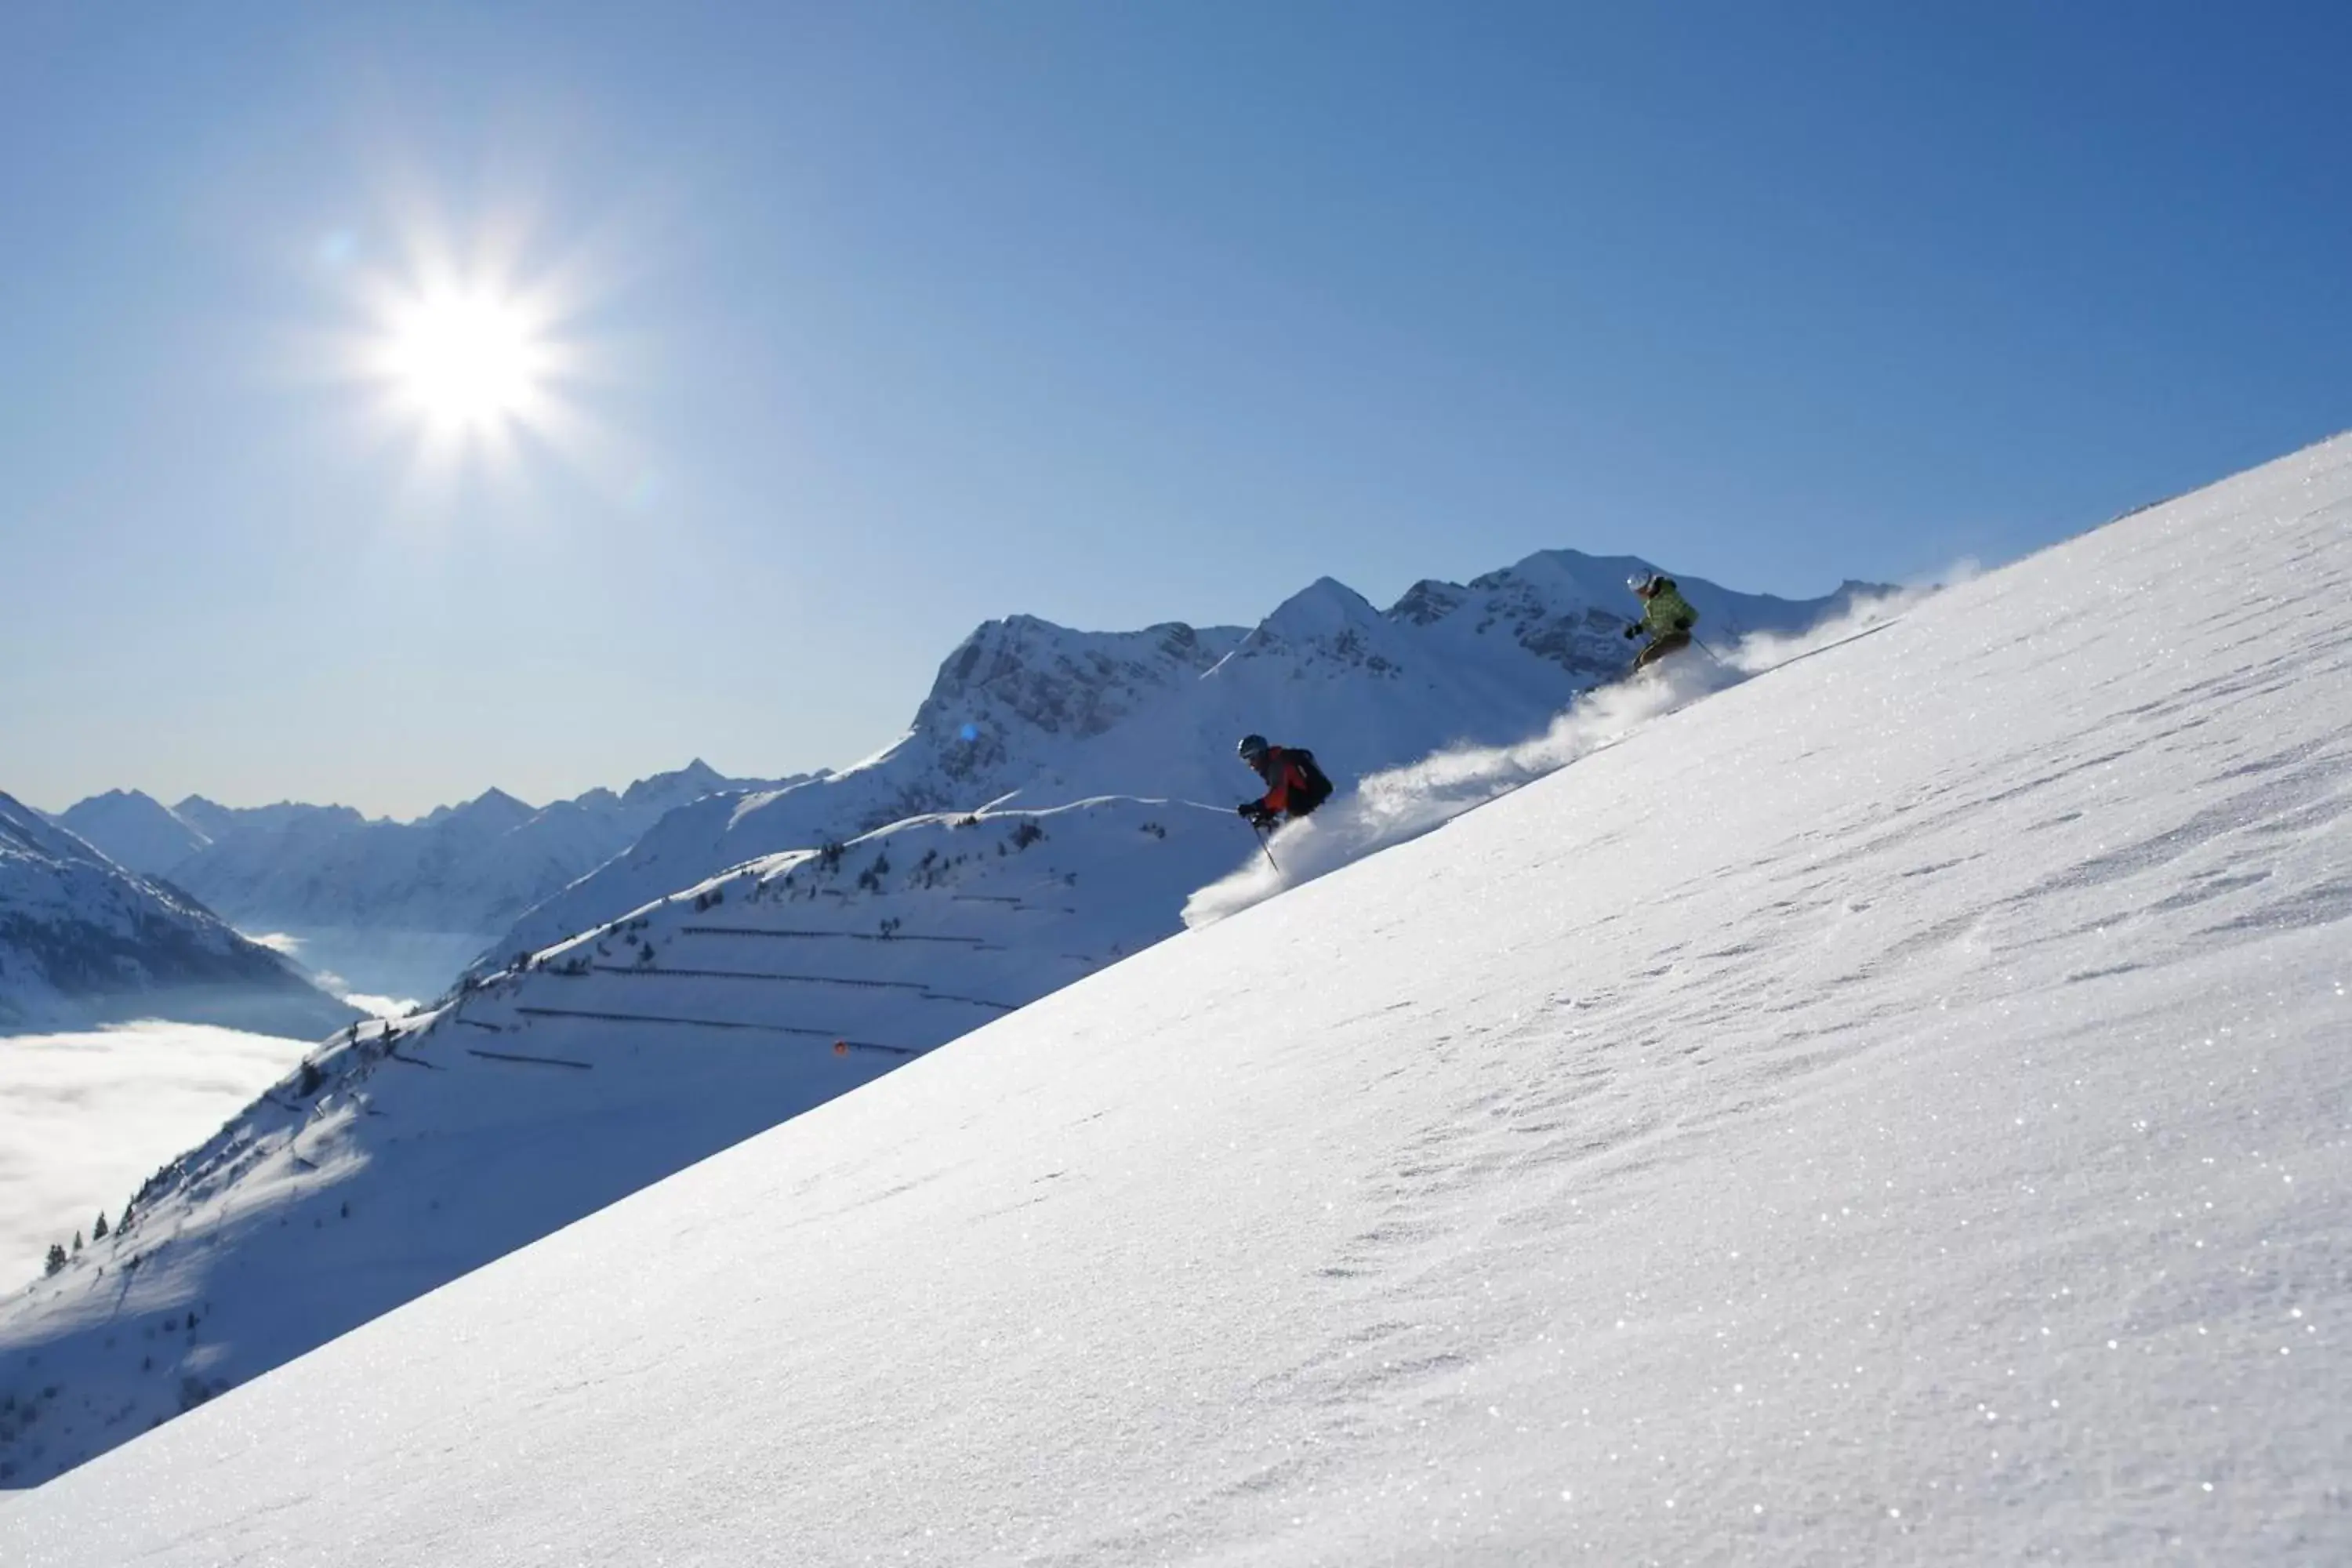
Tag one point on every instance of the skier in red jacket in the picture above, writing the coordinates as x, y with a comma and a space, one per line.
1294, 786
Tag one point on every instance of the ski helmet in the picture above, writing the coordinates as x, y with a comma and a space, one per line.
1644, 584
1252, 750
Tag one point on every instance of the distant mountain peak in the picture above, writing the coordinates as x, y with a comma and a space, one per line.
692, 782
1325, 607
134, 830
1330, 624
1428, 600
1023, 673
493, 807
1567, 575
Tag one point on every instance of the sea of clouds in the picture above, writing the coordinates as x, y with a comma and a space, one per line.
86, 1116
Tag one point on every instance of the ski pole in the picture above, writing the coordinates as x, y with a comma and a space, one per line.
1707, 650
1262, 844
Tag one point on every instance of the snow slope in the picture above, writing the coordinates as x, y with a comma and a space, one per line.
1395, 804
1031, 710
1020, 694
417, 1151
1917, 1135
82, 941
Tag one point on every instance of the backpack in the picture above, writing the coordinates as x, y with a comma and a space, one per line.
1318, 784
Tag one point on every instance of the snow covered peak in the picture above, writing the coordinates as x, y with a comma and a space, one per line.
493, 811
661, 791
134, 830
1325, 609
1025, 671
1560, 578
1429, 600
1327, 629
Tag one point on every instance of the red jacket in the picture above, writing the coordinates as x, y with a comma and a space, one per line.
1285, 775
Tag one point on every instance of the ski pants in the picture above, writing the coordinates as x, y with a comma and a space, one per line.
1673, 642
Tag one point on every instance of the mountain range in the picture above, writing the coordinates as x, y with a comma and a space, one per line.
1023, 710
386, 908
83, 940
1027, 711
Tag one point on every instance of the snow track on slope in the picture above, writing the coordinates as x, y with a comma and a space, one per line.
1400, 803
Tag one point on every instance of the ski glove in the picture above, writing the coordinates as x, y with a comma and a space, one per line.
1254, 813
1681, 623
1632, 631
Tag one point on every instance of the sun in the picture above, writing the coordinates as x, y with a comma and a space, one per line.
464, 359
472, 354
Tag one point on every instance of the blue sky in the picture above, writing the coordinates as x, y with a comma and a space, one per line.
880, 320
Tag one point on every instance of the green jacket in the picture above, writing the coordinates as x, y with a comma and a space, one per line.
1663, 608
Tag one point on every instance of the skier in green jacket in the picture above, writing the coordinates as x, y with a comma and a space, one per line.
1666, 617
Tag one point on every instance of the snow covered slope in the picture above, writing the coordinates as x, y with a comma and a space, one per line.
134, 830
1028, 709
83, 940
411, 1153
1892, 1111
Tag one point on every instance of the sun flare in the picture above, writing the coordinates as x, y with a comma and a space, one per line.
470, 354
464, 359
